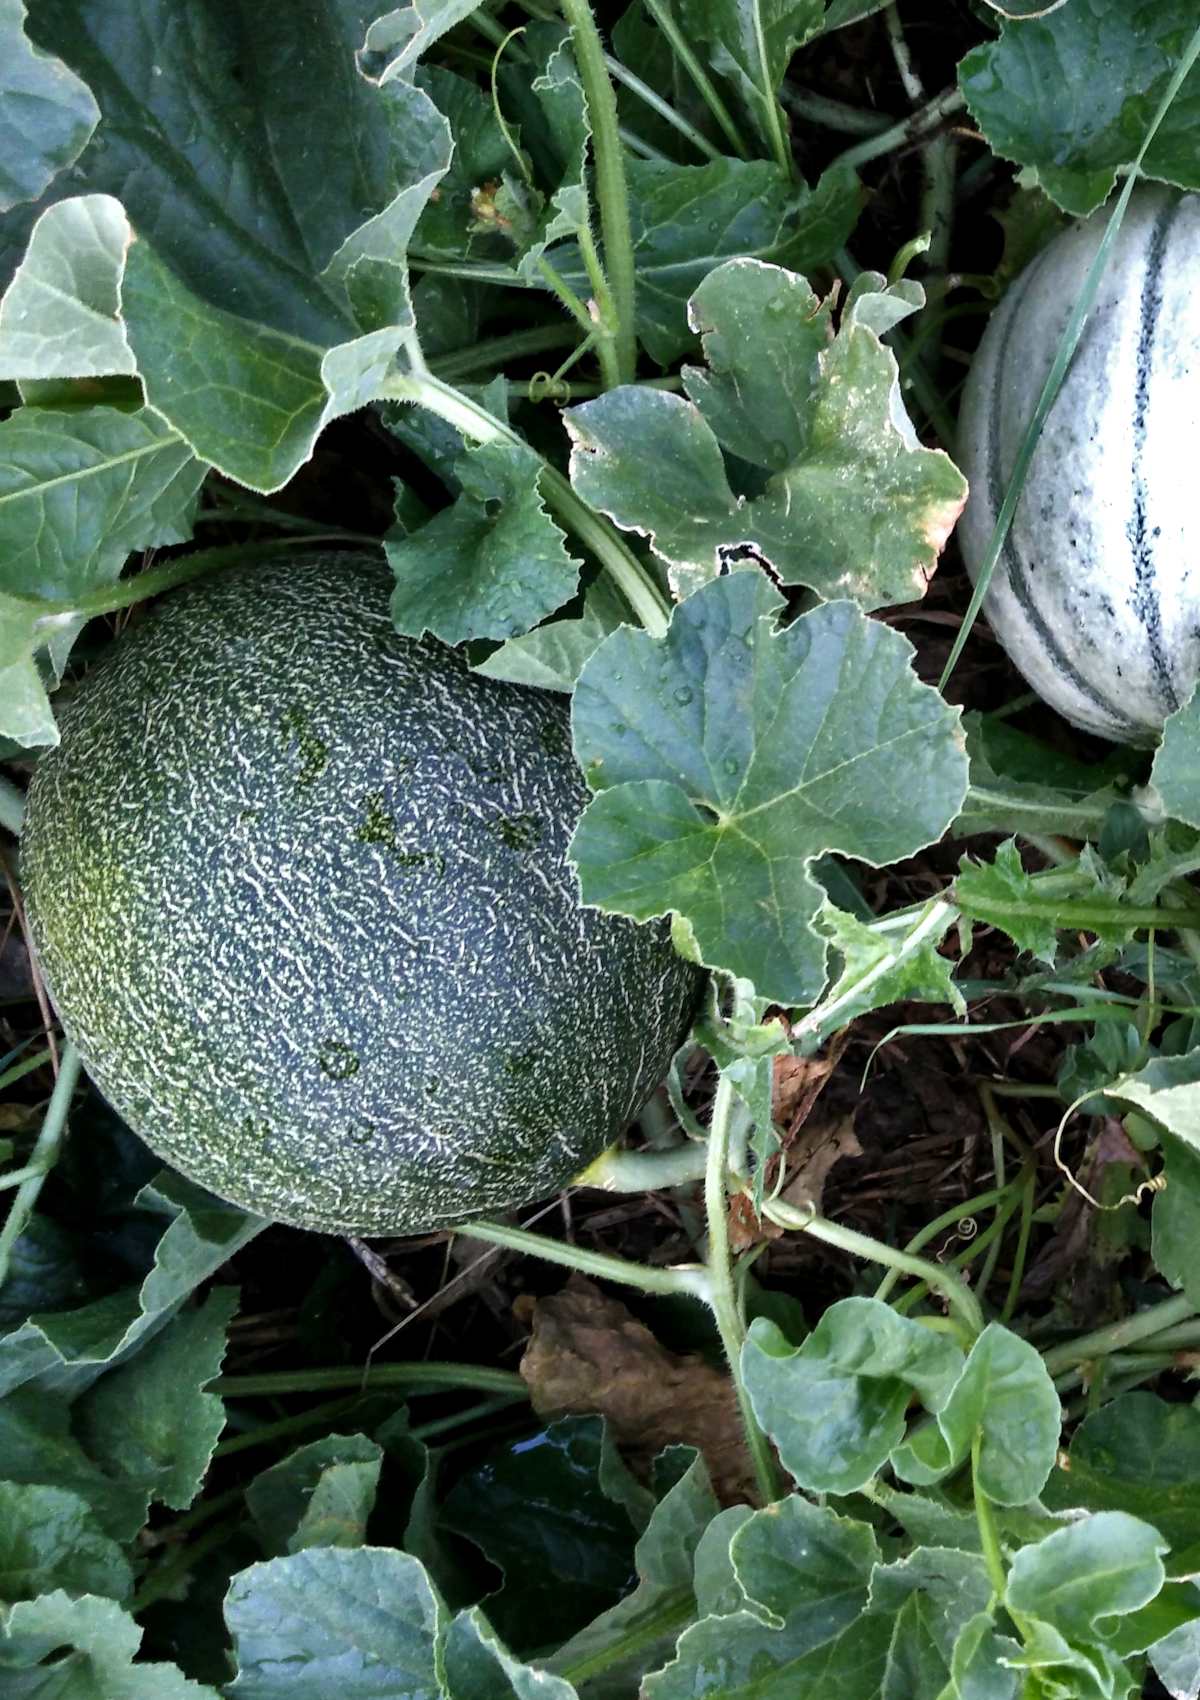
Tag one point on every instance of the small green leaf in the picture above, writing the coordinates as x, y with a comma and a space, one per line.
821, 422
980, 1660
648, 1619
359, 1624
933, 1592
1005, 1399
490, 566
688, 219
1070, 94
61, 315
803, 1568
320, 1495
875, 970
1137, 1454
552, 657
1174, 774
46, 113
71, 1348
731, 754
90, 1645
80, 490
479, 1667
1176, 1661
149, 1422
836, 1406
752, 43
1104, 1566
740, 1658
49, 1538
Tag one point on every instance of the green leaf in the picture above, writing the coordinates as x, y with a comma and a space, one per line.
1175, 775
49, 1538
875, 970
739, 1658
1176, 1661
978, 1663
835, 1406
1006, 1399
359, 1624
490, 566
480, 1667
1167, 1089
933, 1595
1071, 94
320, 1495
803, 1568
1019, 785
91, 1644
1137, 1454
38, 1447
687, 219
80, 490
731, 754
266, 292
647, 1621
528, 1506
46, 113
1076, 1671
821, 423
149, 1422
1104, 1566
752, 42
61, 315
68, 1350
553, 656
448, 228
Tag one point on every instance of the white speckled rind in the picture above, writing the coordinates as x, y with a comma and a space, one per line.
297, 885
1097, 594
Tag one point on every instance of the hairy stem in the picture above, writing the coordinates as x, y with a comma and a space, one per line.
689, 1279
721, 1294
957, 1295
44, 1155
481, 426
612, 197
418, 1378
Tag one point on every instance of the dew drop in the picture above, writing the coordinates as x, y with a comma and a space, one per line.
684, 695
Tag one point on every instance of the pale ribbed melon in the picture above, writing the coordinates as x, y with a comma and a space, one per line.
1097, 594
299, 891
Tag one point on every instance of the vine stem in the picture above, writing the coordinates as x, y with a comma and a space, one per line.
956, 1293
989, 1540
969, 1207
612, 198
109, 598
722, 1298
44, 1155
932, 922
705, 87
688, 1279
908, 130
420, 1377
474, 421
1102, 1342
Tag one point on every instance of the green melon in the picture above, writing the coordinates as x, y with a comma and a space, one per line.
298, 888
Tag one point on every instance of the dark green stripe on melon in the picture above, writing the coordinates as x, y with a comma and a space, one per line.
298, 887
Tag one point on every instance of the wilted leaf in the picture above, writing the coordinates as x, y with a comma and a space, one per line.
588, 1353
819, 420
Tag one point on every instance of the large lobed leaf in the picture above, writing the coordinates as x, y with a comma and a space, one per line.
732, 753
832, 487
1071, 93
